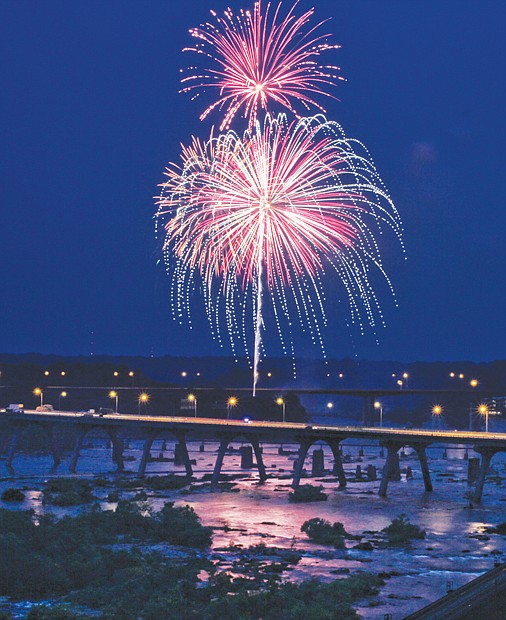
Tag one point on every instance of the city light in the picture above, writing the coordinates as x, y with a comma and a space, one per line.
114, 395
378, 405
142, 399
193, 399
437, 411
483, 410
231, 402
280, 401
38, 392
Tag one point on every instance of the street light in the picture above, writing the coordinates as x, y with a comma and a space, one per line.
399, 383
452, 375
184, 373
114, 394
131, 374
193, 399
62, 395
116, 373
38, 392
142, 399
437, 410
231, 402
461, 376
378, 405
405, 376
473, 383
280, 401
483, 410
46, 373
330, 405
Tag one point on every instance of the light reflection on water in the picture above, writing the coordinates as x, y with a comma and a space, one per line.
262, 513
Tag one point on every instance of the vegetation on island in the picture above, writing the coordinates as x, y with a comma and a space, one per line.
401, 531
99, 564
324, 533
68, 492
13, 495
308, 493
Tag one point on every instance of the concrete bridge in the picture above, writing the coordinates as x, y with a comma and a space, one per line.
185, 429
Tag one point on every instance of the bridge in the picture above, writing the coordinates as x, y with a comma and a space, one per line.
185, 429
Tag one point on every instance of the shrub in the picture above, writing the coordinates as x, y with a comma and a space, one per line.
13, 495
308, 493
401, 531
322, 532
166, 483
68, 492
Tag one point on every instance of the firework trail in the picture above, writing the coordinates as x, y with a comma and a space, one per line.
261, 218
257, 59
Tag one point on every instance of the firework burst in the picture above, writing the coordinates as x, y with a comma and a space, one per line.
260, 58
259, 219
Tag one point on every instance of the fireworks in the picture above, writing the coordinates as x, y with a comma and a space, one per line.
257, 59
269, 224
274, 211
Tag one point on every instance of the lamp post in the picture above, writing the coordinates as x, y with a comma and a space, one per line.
280, 401
131, 374
437, 410
405, 376
231, 402
142, 399
483, 410
399, 383
62, 395
113, 394
38, 392
193, 399
378, 405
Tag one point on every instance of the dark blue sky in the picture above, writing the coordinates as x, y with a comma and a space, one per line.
90, 115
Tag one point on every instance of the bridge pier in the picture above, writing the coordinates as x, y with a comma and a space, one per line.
54, 448
225, 440
184, 454
12, 447
391, 470
486, 457
422, 457
259, 460
338, 464
304, 446
117, 449
81, 433
146, 451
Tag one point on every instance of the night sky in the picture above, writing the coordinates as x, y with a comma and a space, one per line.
90, 115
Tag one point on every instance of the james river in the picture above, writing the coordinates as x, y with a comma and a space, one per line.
456, 548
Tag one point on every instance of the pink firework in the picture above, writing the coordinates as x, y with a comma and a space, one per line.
262, 218
259, 58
